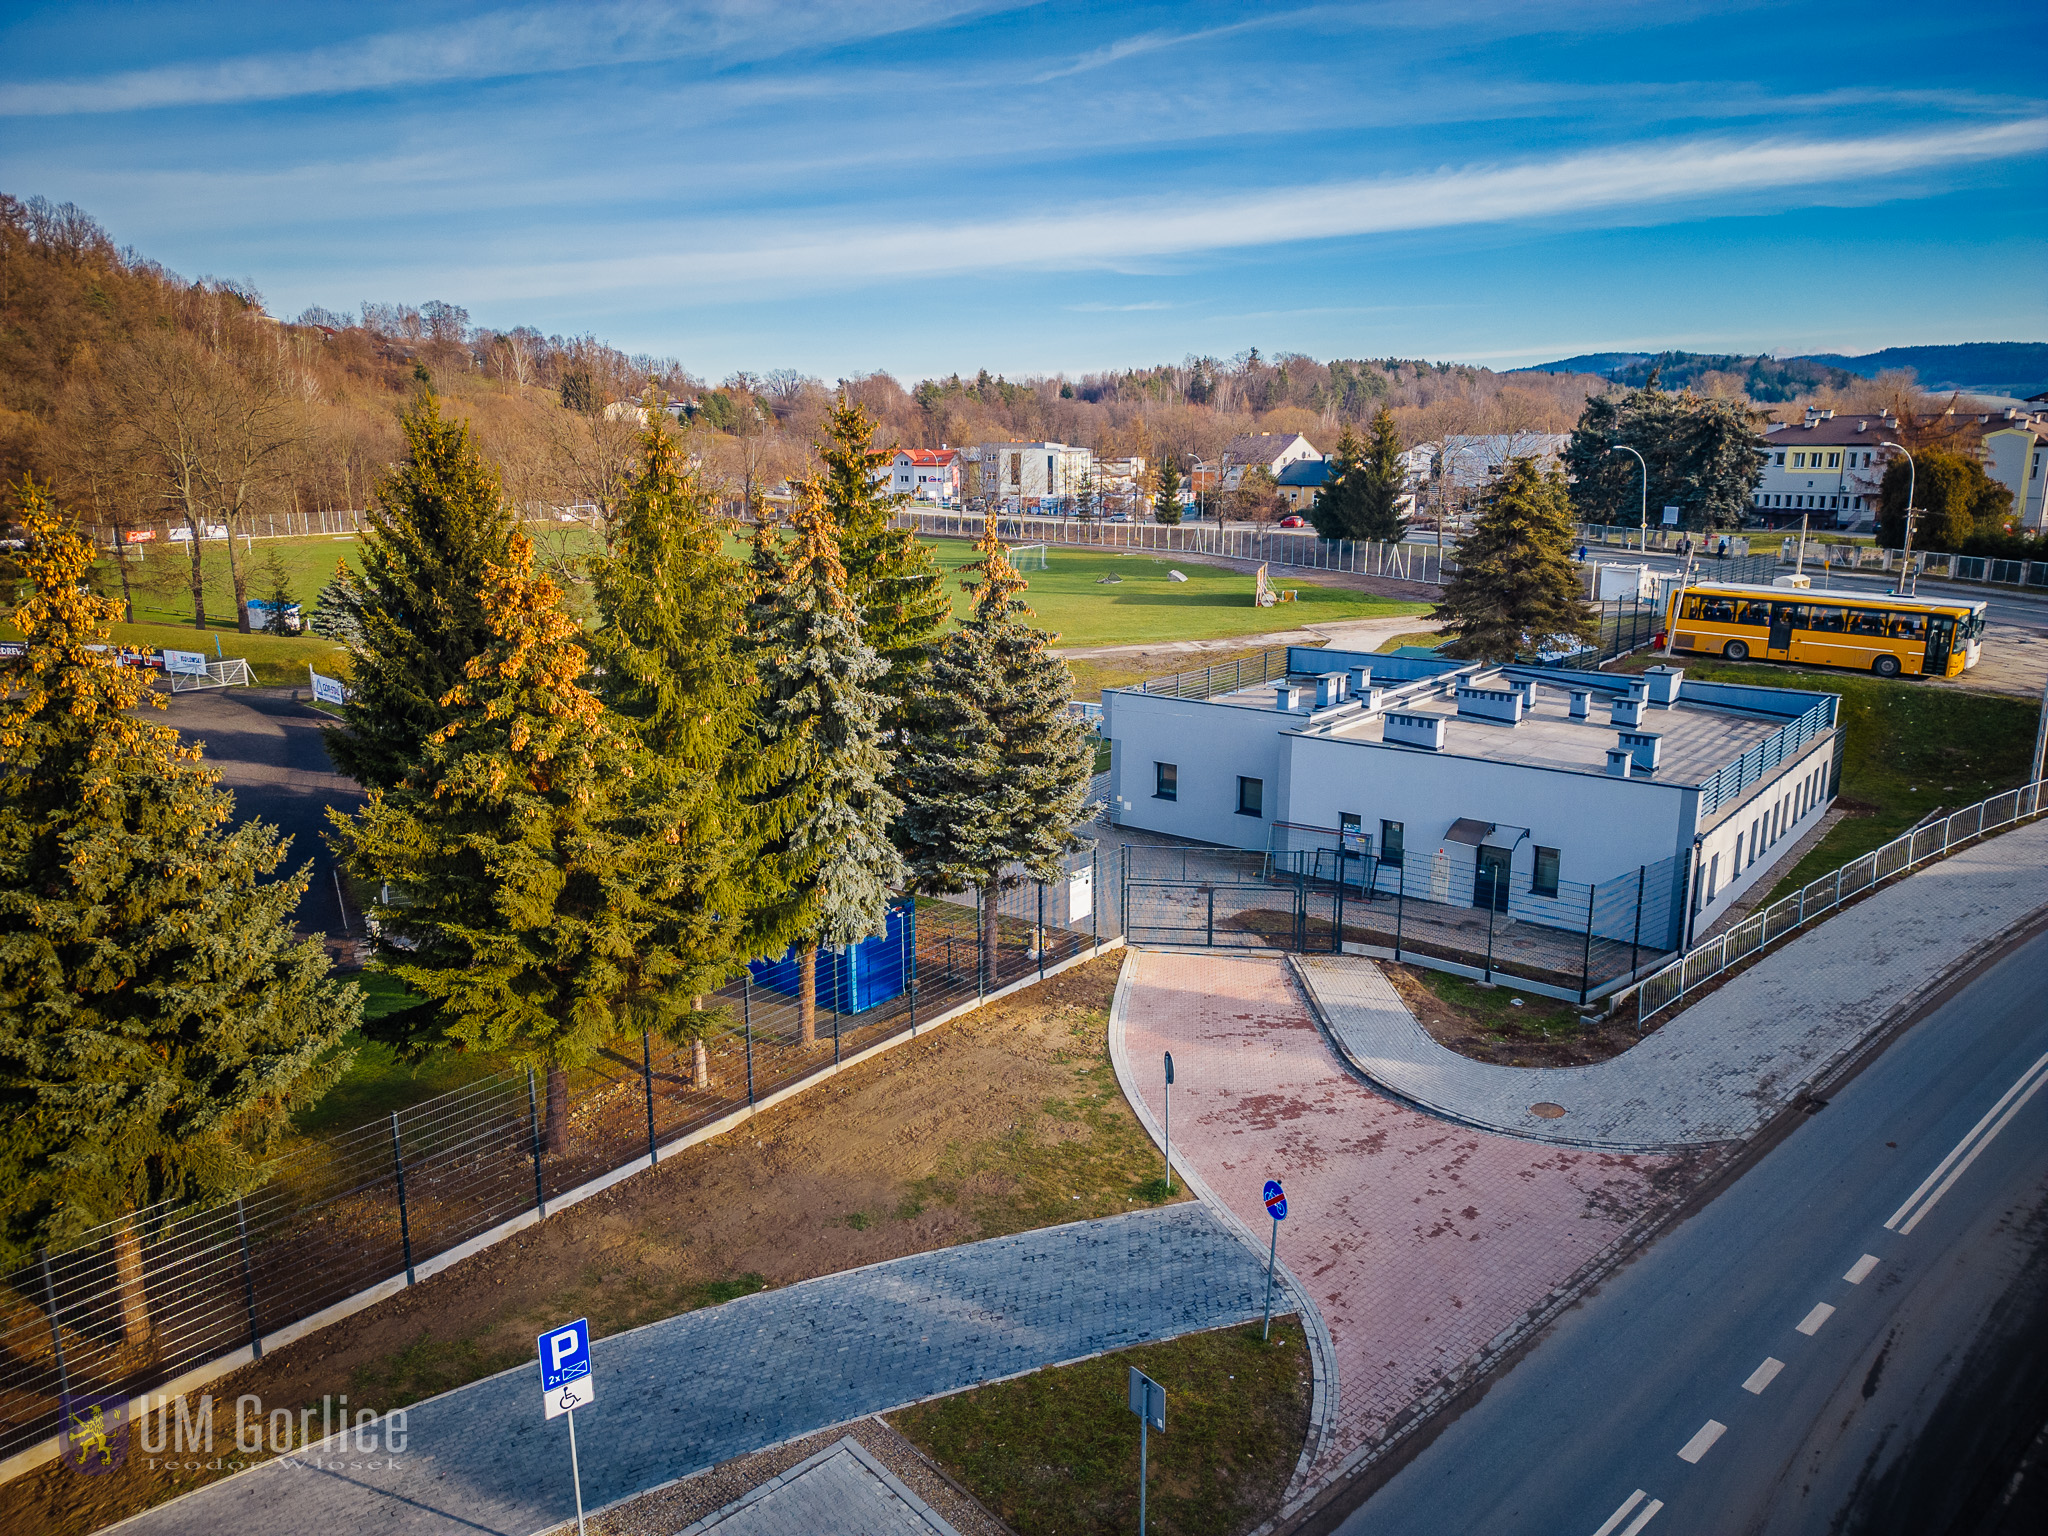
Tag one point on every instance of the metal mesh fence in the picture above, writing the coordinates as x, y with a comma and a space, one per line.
1787, 915
138, 1303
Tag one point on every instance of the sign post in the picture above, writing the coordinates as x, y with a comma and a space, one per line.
1148, 1402
1169, 1114
566, 1384
1276, 1207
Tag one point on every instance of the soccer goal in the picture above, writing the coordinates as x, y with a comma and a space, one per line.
1028, 557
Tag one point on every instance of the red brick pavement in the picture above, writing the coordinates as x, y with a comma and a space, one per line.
1419, 1240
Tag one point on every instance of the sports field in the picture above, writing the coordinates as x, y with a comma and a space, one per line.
1088, 596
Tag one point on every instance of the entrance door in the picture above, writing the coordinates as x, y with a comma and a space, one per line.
1781, 628
1940, 639
1490, 879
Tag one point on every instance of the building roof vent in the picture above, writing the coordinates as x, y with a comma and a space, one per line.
1426, 731
1503, 705
1620, 762
1644, 747
1286, 696
1329, 689
1663, 685
1626, 711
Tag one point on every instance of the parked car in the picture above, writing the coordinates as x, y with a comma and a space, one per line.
1118, 517
1293, 522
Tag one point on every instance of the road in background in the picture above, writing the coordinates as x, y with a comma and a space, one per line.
1852, 1337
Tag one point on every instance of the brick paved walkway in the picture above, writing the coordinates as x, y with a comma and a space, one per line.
1719, 1069
688, 1392
1421, 1243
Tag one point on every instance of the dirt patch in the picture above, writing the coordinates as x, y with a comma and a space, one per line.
1488, 1025
1007, 1119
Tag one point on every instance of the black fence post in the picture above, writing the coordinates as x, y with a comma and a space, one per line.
1635, 940
1400, 901
404, 1218
56, 1328
1095, 893
1492, 898
647, 1082
983, 921
838, 997
1337, 935
910, 960
747, 1026
540, 1203
1586, 961
1041, 929
249, 1278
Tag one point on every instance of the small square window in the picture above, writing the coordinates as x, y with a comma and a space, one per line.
1165, 781
1545, 881
1251, 797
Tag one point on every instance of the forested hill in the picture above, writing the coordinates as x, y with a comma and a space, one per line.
1989, 367
1995, 367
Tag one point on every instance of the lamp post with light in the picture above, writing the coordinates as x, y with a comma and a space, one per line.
1624, 448
1909, 586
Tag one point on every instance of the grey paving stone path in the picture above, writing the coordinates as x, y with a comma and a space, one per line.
686, 1393
841, 1491
1723, 1066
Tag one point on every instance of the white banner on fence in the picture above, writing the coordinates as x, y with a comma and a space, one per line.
327, 690
186, 663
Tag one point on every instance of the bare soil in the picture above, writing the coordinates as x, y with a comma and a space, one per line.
1006, 1119
1487, 1025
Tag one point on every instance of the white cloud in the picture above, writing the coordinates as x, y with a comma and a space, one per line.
1110, 235
493, 46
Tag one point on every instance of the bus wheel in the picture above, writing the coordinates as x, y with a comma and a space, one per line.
1735, 651
1886, 666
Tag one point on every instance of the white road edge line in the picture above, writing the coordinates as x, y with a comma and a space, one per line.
1763, 1376
1702, 1442
1962, 1146
1649, 1511
1621, 1514
1964, 1166
1860, 1270
1810, 1324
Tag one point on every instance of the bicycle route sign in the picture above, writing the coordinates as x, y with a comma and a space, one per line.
1276, 1200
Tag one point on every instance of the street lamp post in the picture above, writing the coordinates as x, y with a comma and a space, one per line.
1624, 448
1912, 470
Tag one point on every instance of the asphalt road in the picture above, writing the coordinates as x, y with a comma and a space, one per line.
1851, 1338
272, 752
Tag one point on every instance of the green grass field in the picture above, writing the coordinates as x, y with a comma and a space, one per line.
1073, 596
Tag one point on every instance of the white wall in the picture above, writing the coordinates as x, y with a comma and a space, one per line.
1211, 745
1804, 807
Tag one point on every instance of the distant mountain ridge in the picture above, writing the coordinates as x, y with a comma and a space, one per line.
2017, 368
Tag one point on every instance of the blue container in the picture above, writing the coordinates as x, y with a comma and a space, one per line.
856, 978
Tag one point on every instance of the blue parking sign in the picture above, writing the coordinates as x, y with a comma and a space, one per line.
566, 1382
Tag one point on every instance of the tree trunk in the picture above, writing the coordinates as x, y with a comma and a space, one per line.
198, 577
240, 580
700, 1065
807, 994
558, 1110
121, 559
128, 1282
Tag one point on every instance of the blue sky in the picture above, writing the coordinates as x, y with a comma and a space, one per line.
931, 185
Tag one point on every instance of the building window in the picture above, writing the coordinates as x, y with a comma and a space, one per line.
1781, 461
1251, 797
1735, 864
1165, 781
1713, 877
1393, 841
1350, 831
1545, 881
1799, 461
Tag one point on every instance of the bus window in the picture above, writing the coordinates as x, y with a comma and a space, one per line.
1792, 615
1692, 606
1909, 626
1755, 615
1718, 610
1866, 621
1825, 620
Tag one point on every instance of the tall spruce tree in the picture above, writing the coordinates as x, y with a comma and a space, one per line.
334, 610
160, 1021
891, 576
1336, 512
673, 605
824, 869
437, 524
520, 860
996, 768
1515, 589
1379, 507
1166, 507
1701, 454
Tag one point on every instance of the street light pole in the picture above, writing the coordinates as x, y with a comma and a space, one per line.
1624, 448
1912, 471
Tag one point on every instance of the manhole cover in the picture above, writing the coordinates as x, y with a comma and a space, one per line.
1547, 1111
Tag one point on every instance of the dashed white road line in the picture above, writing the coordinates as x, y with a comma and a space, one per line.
1860, 1270
1965, 1152
1609, 1526
1763, 1376
1702, 1442
1810, 1324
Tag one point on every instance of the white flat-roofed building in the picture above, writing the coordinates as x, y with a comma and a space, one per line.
1547, 778
1033, 477
1827, 468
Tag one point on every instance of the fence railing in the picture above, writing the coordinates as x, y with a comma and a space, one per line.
1224, 677
1760, 759
334, 522
1817, 898
1296, 549
345, 1218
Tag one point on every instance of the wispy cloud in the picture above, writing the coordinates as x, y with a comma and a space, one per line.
1117, 309
500, 44
1158, 38
1120, 234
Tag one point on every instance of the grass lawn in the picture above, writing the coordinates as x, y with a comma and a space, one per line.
1908, 749
1057, 1451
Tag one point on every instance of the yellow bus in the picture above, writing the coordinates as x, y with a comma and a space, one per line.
1869, 631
